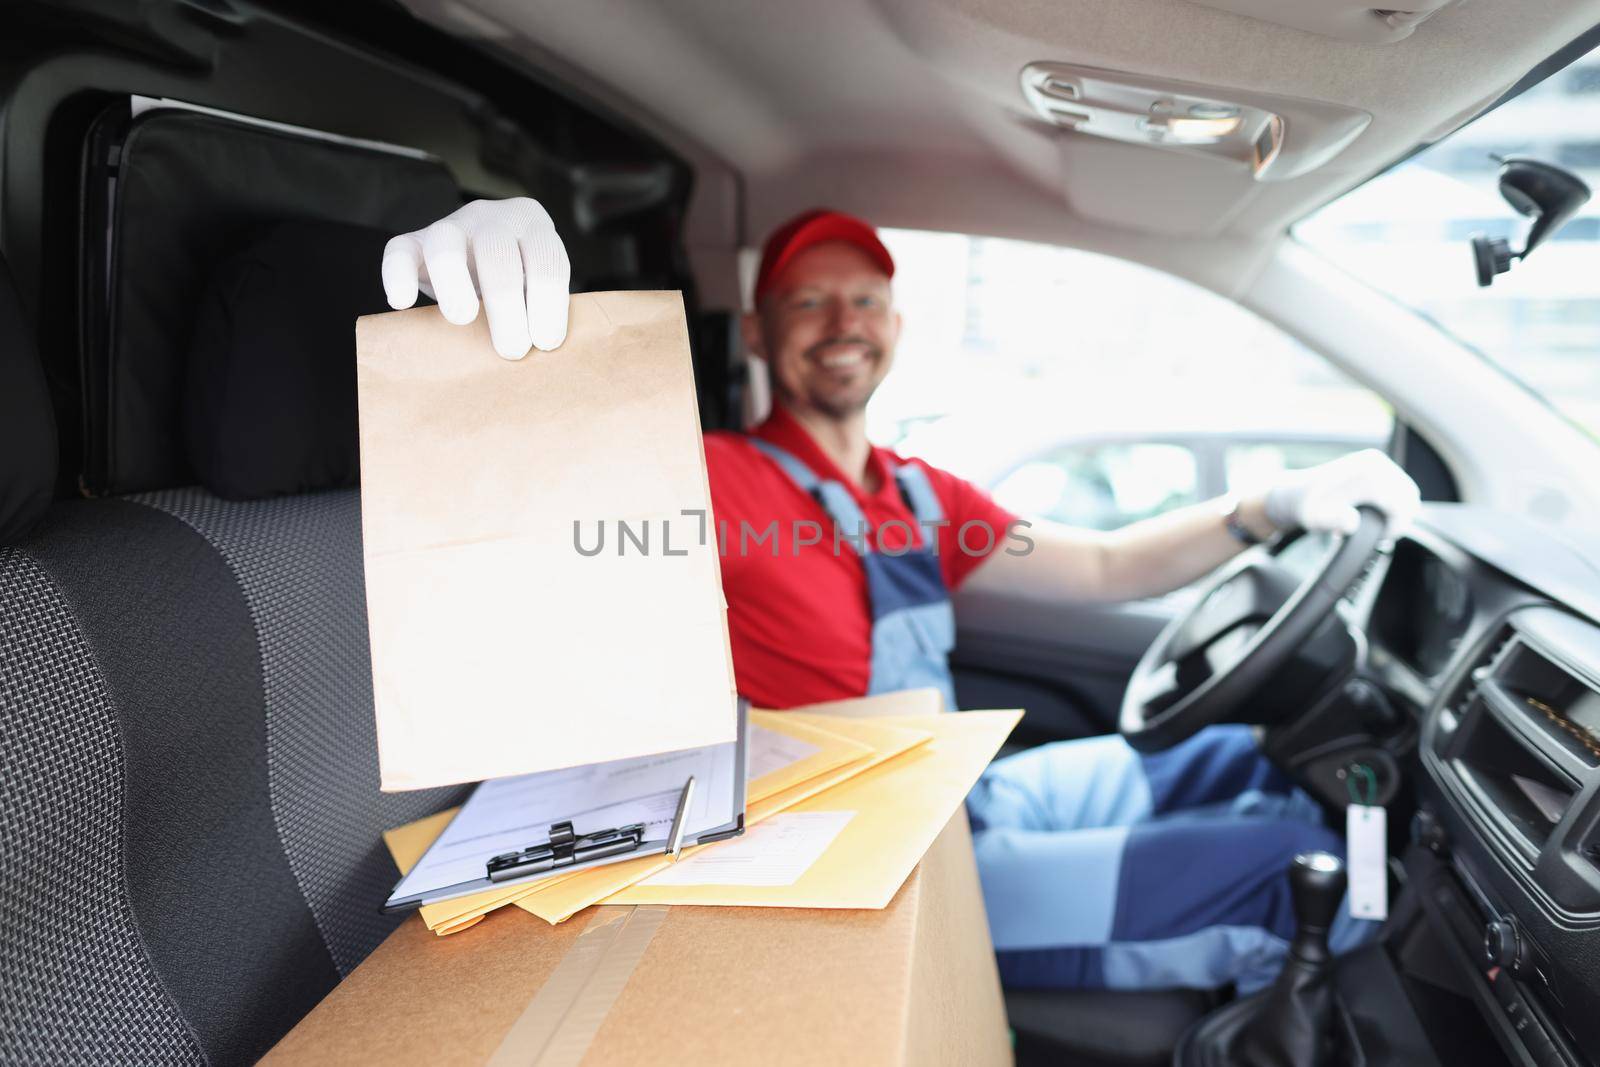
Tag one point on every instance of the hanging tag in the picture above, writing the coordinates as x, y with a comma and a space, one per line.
1367, 847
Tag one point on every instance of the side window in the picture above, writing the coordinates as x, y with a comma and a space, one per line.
1257, 462
1097, 392
1103, 486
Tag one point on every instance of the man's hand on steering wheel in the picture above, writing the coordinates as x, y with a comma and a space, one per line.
1325, 498
1254, 613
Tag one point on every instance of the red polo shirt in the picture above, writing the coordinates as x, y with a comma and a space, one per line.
798, 615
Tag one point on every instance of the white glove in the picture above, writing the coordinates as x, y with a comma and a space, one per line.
1325, 497
505, 249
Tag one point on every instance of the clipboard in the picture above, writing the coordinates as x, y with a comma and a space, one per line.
526, 827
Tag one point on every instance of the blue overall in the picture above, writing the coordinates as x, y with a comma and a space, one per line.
913, 626
1100, 867
1105, 868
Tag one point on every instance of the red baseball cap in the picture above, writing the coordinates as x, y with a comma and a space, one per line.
812, 228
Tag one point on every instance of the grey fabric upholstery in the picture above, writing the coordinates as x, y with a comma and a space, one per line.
219, 910
298, 559
190, 820
76, 984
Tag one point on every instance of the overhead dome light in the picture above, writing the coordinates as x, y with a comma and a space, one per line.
1190, 130
1241, 127
1116, 106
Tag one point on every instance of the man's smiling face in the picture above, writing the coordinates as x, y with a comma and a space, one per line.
827, 329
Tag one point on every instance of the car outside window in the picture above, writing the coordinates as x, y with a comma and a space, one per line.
1092, 391
1260, 462
1103, 486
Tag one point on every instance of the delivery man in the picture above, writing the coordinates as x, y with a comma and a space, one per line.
1100, 867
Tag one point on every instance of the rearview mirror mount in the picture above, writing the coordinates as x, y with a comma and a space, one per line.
1541, 191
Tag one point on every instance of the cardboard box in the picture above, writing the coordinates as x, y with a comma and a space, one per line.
912, 984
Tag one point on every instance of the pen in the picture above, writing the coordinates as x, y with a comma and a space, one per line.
675, 839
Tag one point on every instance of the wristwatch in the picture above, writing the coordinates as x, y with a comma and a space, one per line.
1236, 525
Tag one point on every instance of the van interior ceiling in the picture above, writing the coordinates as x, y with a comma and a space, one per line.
851, 102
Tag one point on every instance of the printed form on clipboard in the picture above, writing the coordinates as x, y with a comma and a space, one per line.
530, 826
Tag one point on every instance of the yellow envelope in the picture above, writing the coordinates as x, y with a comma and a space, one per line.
899, 808
927, 701
882, 741
890, 741
835, 749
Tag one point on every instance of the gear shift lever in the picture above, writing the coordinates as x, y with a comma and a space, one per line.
1316, 885
1293, 1024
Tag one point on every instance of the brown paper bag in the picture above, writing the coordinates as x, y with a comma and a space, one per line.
498, 647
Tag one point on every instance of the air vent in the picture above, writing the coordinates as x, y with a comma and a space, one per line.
1503, 640
1517, 751
1487, 737
1482, 670
1565, 705
1515, 672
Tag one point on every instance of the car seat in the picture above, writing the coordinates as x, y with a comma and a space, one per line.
190, 820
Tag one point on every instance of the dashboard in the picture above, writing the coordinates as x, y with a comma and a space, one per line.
1485, 632
1424, 611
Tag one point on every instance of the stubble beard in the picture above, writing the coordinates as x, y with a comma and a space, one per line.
845, 405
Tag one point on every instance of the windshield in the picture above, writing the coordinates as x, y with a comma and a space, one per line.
1406, 233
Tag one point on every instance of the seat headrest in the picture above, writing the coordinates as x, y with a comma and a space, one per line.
27, 424
270, 403
189, 190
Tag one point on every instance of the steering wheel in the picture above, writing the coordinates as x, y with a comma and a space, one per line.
1251, 617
